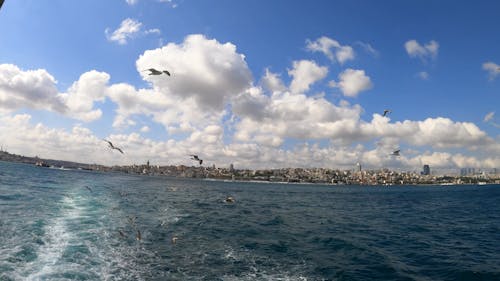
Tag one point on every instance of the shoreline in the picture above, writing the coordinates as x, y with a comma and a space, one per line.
319, 176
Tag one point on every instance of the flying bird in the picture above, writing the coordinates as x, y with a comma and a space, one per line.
396, 152
386, 111
153, 71
88, 187
112, 146
196, 158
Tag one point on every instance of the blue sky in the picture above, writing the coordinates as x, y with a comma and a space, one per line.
433, 63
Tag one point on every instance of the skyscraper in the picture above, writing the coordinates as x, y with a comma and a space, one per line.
427, 170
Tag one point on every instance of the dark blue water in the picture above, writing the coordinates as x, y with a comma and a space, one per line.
54, 228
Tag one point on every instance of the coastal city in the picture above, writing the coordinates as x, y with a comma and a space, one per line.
354, 176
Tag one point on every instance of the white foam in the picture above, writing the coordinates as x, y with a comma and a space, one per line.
55, 242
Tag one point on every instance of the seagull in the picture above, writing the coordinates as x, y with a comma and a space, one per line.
138, 236
121, 233
153, 71
396, 152
174, 239
229, 199
196, 158
112, 146
88, 187
386, 111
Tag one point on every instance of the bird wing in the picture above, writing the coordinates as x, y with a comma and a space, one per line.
110, 143
166, 72
117, 148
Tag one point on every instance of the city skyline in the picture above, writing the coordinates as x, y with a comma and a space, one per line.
257, 84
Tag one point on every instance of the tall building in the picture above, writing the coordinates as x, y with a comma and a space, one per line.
426, 171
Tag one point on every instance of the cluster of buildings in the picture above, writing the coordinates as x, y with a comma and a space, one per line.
309, 175
356, 176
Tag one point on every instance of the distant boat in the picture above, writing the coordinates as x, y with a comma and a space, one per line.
41, 164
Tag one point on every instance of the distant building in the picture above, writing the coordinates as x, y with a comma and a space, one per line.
231, 167
467, 171
426, 171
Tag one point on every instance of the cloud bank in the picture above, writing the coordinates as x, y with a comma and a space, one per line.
211, 105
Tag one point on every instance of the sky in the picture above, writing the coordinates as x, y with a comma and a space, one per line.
260, 84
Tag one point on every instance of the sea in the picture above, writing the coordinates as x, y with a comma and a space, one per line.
82, 225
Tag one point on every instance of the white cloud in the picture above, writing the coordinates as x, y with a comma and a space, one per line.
272, 82
127, 30
489, 116
492, 68
368, 48
203, 69
20, 135
34, 89
206, 75
80, 98
210, 106
305, 73
131, 2
423, 75
153, 31
352, 82
423, 52
332, 49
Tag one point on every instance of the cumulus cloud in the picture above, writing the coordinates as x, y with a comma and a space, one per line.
423, 52
436, 132
305, 73
34, 89
80, 97
331, 48
492, 68
210, 106
352, 82
272, 82
202, 69
21, 135
269, 120
128, 29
